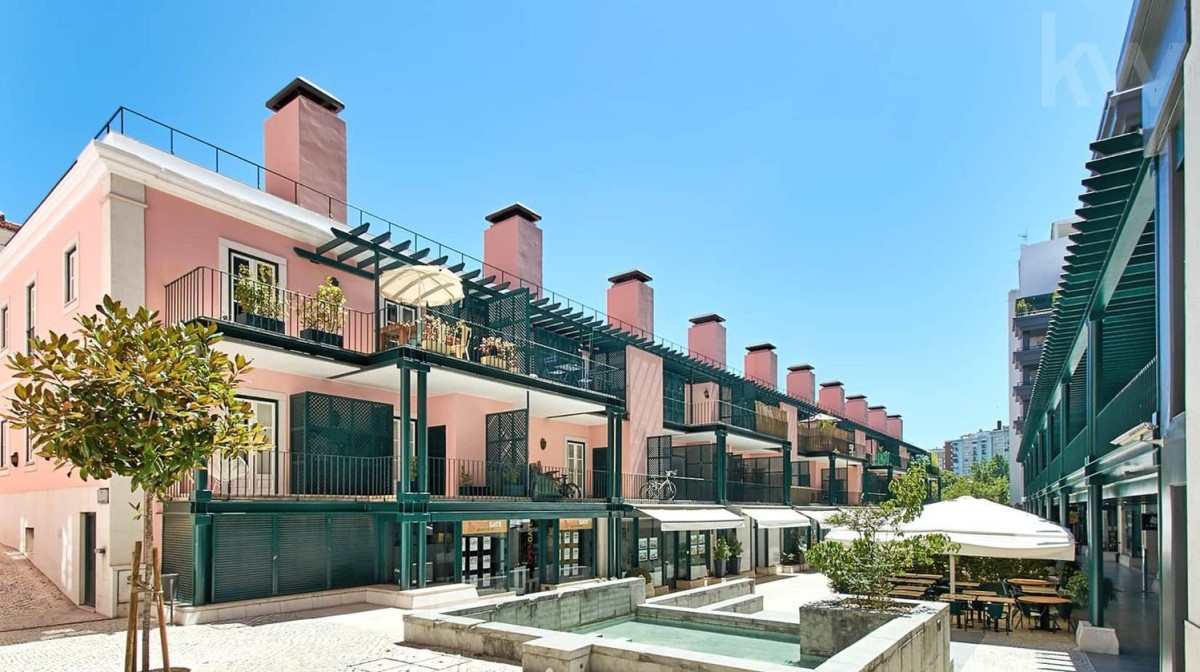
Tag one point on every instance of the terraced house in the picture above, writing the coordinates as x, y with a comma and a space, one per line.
515, 440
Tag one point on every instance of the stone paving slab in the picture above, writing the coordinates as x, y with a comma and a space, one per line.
29, 599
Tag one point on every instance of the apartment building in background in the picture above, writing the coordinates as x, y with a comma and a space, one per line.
514, 441
970, 449
1039, 267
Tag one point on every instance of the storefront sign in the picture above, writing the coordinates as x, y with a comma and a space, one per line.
476, 527
565, 524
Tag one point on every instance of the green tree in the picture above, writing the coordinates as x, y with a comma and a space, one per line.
880, 550
133, 397
988, 480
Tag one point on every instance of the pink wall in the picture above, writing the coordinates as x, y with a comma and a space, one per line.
181, 236
631, 303
877, 417
512, 247
801, 382
44, 265
762, 365
793, 416
643, 390
856, 408
833, 397
706, 338
306, 144
895, 426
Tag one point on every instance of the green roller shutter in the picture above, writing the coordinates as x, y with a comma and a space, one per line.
177, 531
352, 551
242, 557
303, 562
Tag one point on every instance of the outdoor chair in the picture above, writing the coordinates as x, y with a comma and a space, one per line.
1062, 611
992, 586
959, 609
1025, 611
993, 613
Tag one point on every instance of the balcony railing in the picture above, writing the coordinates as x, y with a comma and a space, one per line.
1134, 404
209, 293
764, 419
473, 479
825, 440
887, 459
642, 487
802, 496
756, 492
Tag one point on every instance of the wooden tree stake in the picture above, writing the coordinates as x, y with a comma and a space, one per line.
162, 615
131, 623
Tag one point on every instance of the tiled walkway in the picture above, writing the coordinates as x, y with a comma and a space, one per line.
1134, 614
28, 599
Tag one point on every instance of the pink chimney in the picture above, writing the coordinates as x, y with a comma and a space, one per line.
877, 418
833, 397
856, 407
512, 248
706, 339
631, 303
801, 382
762, 364
895, 426
304, 148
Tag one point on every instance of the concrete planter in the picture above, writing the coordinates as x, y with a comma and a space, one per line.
917, 633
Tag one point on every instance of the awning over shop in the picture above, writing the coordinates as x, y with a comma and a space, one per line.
819, 516
693, 518
773, 517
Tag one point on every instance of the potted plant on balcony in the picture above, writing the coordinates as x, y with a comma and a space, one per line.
720, 558
321, 317
1022, 307
497, 352
442, 336
466, 482
511, 475
735, 556
260, 303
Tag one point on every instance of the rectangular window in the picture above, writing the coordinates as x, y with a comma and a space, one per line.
240, 263
30, 315
28, 447
3, 327
397, 313
4, 444
574, 462
266, 413
71, 274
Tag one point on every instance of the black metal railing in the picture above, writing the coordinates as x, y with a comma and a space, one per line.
756, 491
643, 487
1134, 404
763, 419
825, 440
469, 479
273, 474
210, 293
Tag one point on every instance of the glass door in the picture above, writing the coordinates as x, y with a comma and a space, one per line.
574, 463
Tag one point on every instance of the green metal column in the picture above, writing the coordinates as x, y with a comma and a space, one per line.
552, 539
787, 475
614, 475
405, 580
421, 530
1064, 506
619, 452
833, 480
422, 432
1095, 521
458, 552
719, 459
201, 559
402, 478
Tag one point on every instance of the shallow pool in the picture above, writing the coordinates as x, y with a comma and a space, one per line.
767, 647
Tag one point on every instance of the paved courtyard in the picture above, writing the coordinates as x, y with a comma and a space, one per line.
370, 639
29, 599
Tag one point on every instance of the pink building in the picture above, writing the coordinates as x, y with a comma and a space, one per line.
398, 453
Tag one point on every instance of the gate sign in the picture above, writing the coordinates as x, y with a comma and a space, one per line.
475, 527
565, 524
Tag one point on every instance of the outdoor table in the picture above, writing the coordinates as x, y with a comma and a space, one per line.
1032, 582
969, 597
980, 593
1043, 602
909, 575
1040, 590
967, 584
915, 580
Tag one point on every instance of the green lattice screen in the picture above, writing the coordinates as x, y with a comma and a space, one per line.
508, 317
340, 446
673, 406
507, 447
658, 455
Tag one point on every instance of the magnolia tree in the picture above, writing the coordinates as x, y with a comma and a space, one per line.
131, 396
880, 550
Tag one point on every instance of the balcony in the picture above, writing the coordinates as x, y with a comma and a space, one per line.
888, 459
1028, 355
292, 320
763, 418
1023, 390
825, 439
653, 488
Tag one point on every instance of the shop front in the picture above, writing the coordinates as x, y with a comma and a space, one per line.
779, 535
672, 544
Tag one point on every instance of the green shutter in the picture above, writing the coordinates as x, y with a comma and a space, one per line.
242, 557
303, 561
352, 551
177, 530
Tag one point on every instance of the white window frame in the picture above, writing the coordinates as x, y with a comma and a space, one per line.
576, 477
4, 463
31, 311
225, 247
71, 274
5, 318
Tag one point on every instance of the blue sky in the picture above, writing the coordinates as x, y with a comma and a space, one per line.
847, 182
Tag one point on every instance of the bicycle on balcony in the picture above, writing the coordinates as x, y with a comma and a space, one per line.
566, 488
660, 489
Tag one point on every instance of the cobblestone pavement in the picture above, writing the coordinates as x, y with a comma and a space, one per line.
346, 639
28, 599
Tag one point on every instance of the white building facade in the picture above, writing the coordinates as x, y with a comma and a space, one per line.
970, 449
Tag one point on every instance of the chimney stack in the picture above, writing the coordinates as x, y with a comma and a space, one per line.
833, 397
802, 382
856, 407
304, 148
877, 418
631, 303
706, 339
762, 364
895, 426
512, 248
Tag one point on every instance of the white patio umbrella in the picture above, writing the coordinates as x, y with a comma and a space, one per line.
821, 417
422, 286
984, 528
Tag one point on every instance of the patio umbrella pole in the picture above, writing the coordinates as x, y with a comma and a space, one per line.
952, 590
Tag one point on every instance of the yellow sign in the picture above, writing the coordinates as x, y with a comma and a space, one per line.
475, 527
566, 524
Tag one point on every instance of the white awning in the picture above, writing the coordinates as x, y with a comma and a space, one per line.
773, 517
693, 518
819, 516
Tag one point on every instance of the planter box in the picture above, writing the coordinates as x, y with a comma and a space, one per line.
318, 336
697, 572
260, 322
733, 565
497, 362
458, 350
